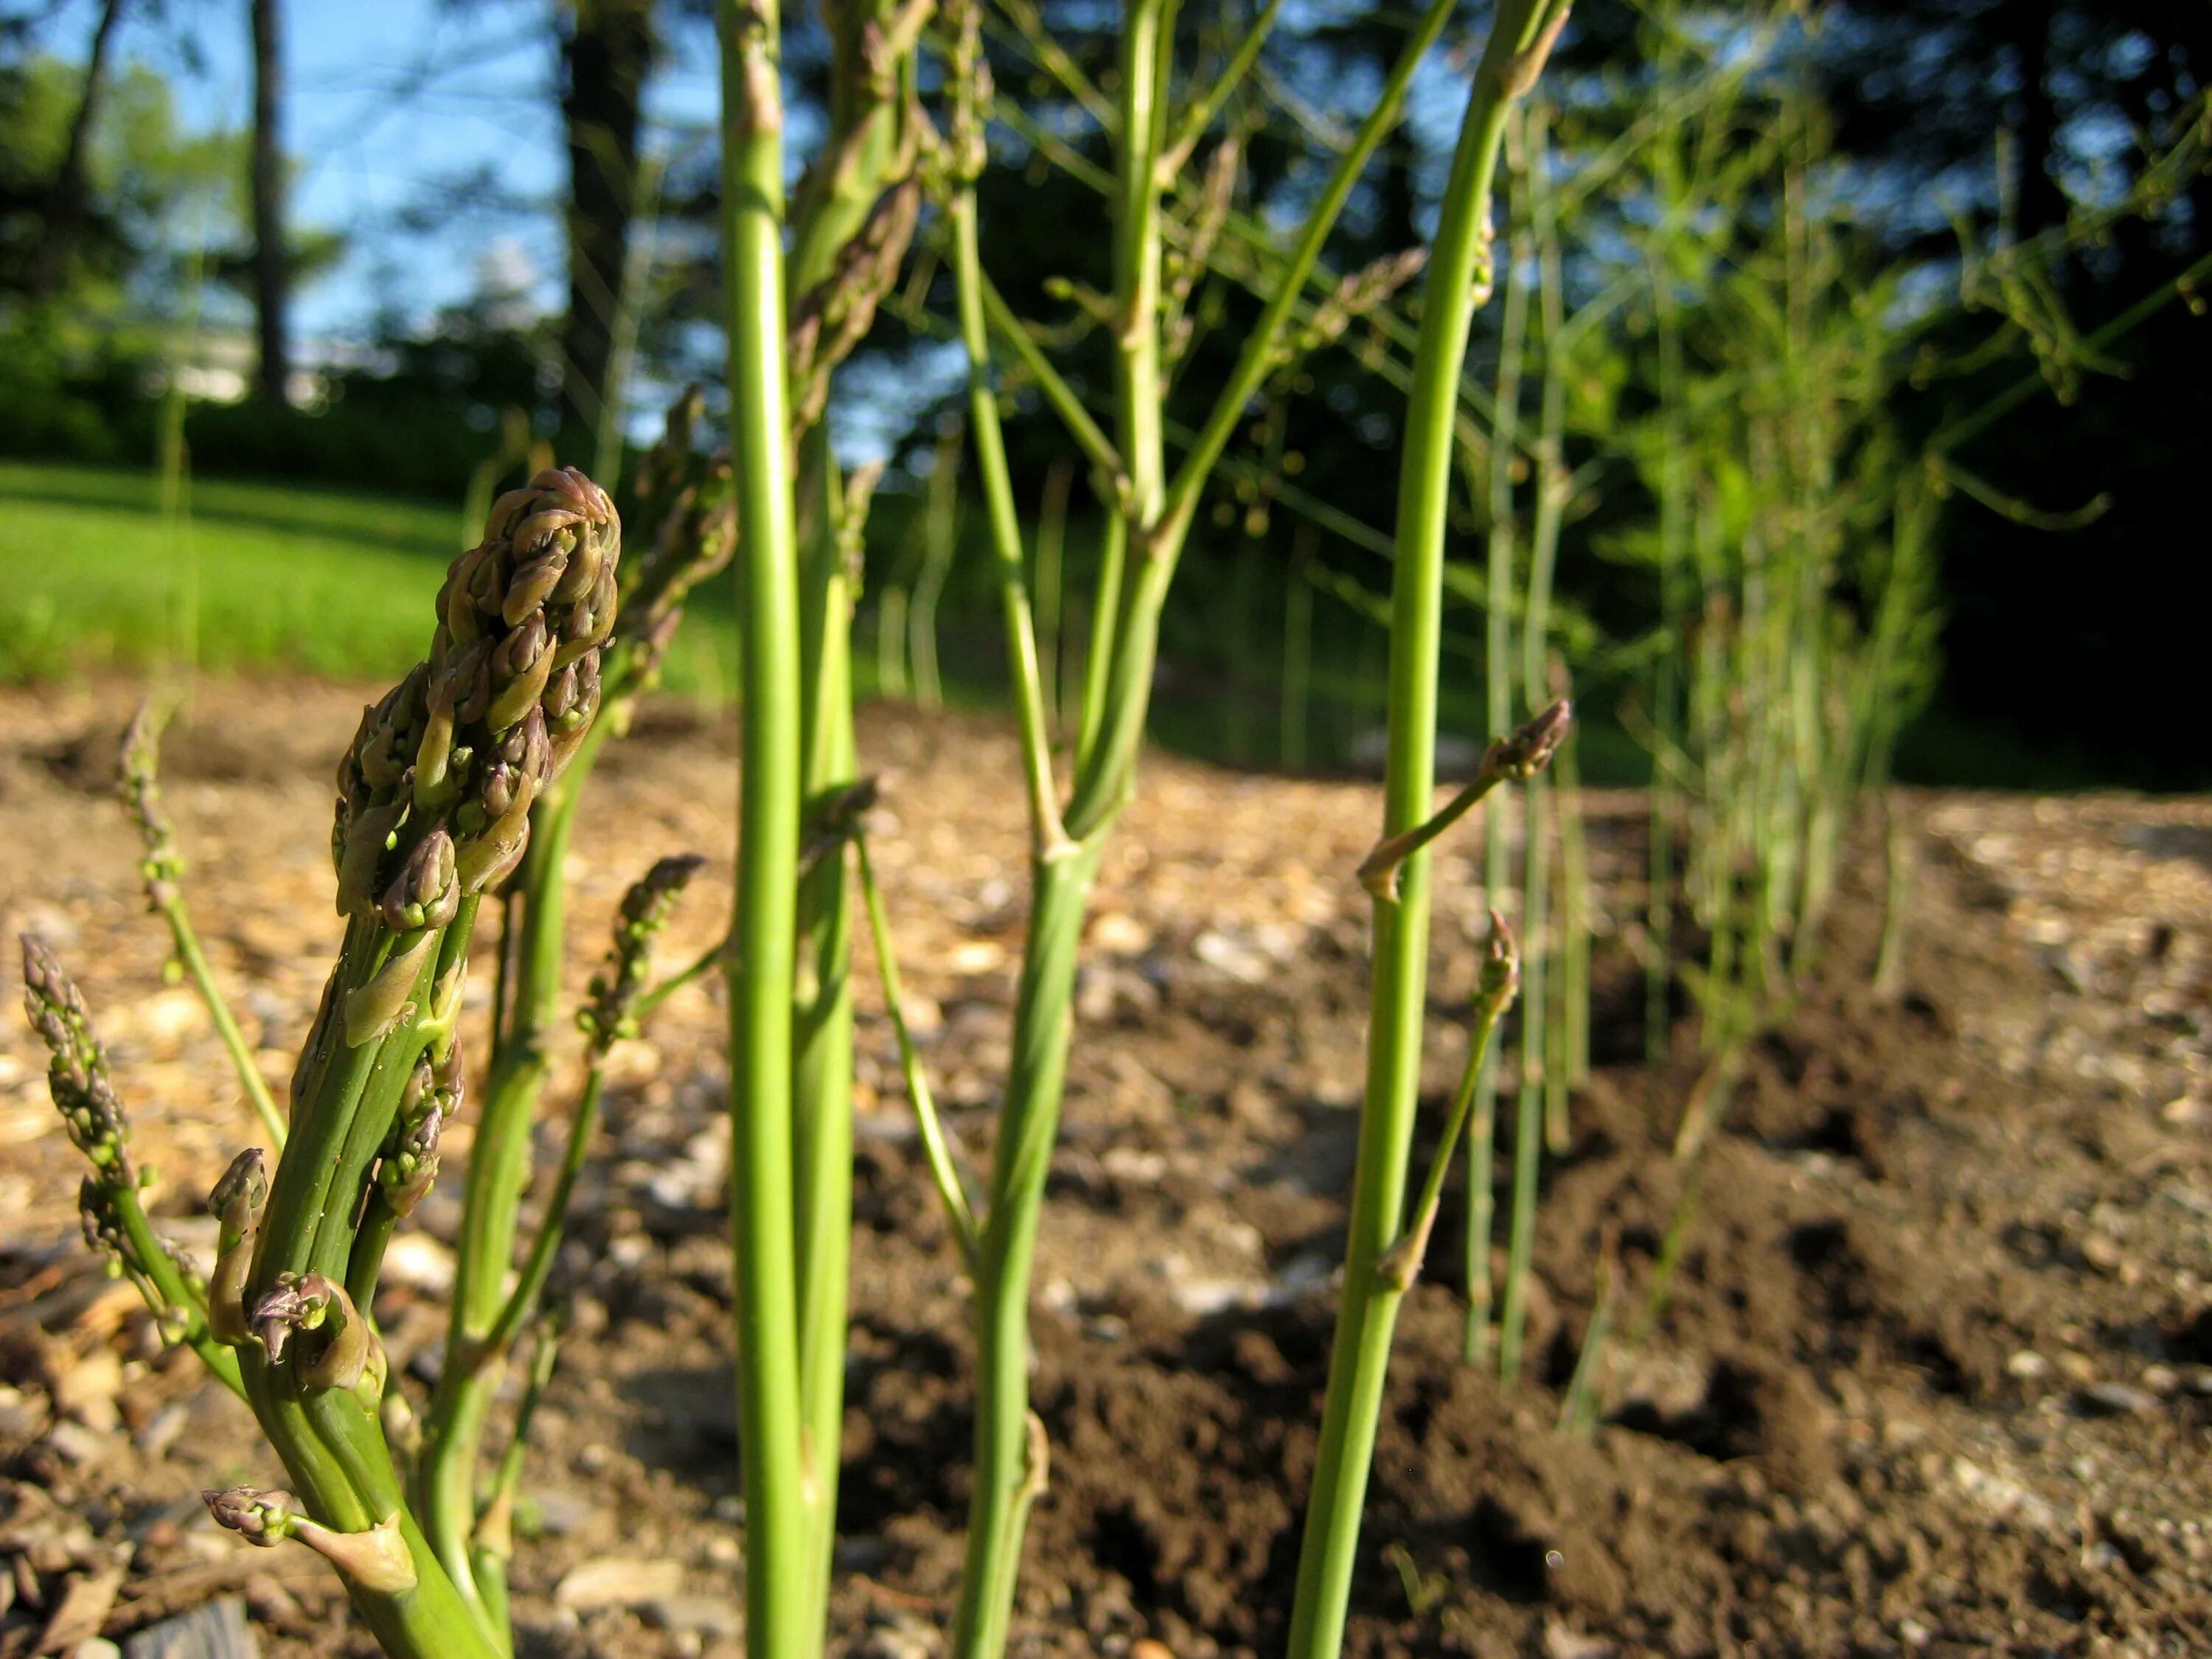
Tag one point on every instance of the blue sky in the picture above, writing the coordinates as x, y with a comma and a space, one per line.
385, 99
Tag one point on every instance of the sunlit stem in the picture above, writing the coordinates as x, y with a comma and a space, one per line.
1522, 31
779, 1575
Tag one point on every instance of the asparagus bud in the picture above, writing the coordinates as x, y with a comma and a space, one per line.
611, 1012
104, 1233
1499, 979
1527, 749
587, 622
165, 1282
571, 703
520, 665
435, 792
371, 832
408, 1171
263, 1519
77, 1073
378, 1560
301, 1303
424, 894
237, 1199
409, 1163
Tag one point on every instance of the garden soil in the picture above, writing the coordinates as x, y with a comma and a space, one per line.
1935, 1375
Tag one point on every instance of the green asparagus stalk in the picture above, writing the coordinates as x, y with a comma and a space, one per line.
1150, 515
689, 533
435, 795
779, 1578
1521, 35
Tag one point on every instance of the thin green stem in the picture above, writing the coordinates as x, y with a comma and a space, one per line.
1201, 114
1005, 524
530, 1283
1585, 1396
1088, 437
1049, 56
234, 1040
1051, 601
936, 1145
1529, 1108
1497, 683
1401, 1262
1261, 345
1367, 1313
1105, 620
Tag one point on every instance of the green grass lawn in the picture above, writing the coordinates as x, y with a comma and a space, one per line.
255, 576
266, 577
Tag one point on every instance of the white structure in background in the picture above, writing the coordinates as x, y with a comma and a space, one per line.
216, 366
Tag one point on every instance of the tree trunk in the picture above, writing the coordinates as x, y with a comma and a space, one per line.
605, 56
65, 212
271, 269
2042, 200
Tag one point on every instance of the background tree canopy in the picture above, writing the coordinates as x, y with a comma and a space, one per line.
2001, 180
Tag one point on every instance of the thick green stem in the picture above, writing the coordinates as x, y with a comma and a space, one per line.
330, 1443
779, 1566
1360, 1357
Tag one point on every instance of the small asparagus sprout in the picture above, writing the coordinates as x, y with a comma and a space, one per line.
115, 1222
163, 867
617, 988
301, 1304
618, 996
263, 1519
378, 1560
115, 1229
1495, 988
1585, 1396
689, 533
1517, 757
77, 1072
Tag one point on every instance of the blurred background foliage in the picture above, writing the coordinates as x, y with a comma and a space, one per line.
1801, 254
